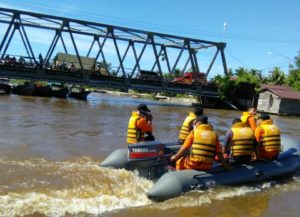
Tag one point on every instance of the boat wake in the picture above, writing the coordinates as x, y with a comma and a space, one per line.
68, 188
81, 187
198, 198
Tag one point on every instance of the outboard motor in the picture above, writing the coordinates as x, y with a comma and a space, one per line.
148, 158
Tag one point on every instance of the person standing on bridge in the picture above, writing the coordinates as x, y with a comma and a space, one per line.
140, 125
188, 123
203, 144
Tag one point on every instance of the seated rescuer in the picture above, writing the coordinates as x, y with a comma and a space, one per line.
204, 144
240, 142
267, 135
187, 125
250, 117
140, 123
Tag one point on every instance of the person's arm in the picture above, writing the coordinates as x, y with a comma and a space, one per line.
258, 135
227, 141
191, 125
224, 163
186, 146
181, 151
220, 155
252, 122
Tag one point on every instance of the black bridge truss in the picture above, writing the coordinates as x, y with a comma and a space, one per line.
123, 52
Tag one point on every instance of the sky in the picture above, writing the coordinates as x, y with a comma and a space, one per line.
259, 34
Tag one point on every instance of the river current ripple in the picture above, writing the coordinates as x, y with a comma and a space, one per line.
50, 151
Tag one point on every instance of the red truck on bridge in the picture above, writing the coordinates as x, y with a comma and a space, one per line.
191, 78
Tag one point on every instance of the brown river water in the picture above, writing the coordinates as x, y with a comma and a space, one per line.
50, 150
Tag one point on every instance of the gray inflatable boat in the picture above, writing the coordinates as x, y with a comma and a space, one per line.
151, 160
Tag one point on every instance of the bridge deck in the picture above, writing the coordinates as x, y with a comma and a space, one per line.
88, 78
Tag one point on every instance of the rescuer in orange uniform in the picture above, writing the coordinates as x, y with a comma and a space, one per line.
203, 144
140, 125
188, 123
250, 117
267, 135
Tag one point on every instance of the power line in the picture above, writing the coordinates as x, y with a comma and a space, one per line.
272, 67
38, 7
237, 59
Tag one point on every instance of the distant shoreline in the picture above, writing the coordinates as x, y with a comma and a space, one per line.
176, 100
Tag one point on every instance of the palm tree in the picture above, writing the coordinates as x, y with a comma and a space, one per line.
277, 76
293, 78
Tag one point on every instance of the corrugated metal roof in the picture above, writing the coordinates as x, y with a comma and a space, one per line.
283, 92
87, 62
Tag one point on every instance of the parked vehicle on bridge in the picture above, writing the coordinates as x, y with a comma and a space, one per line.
148, 76
191, 78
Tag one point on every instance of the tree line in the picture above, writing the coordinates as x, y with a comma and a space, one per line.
254, 77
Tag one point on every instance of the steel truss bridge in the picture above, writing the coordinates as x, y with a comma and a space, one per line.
122, 53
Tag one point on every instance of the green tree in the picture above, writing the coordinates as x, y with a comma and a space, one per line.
229, 85
230, 72
258, 74
225, 84
276, 76
244, 76
293, 78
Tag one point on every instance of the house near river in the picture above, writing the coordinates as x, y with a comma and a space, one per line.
277, 99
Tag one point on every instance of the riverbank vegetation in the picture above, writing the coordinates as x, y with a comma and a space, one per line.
236, 81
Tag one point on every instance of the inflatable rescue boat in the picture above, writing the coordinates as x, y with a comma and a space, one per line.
151, 160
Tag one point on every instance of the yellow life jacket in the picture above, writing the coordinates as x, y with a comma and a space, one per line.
271, 139
204, 144
246, 115
185, 129
134, 135
243, 140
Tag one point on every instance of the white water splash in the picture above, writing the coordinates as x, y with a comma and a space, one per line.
86, 188
59, 205
199, 198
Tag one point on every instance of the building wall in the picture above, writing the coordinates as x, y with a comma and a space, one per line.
271, 103
290, 107
268, 102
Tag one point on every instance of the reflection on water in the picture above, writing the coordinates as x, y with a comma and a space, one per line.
50, 150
